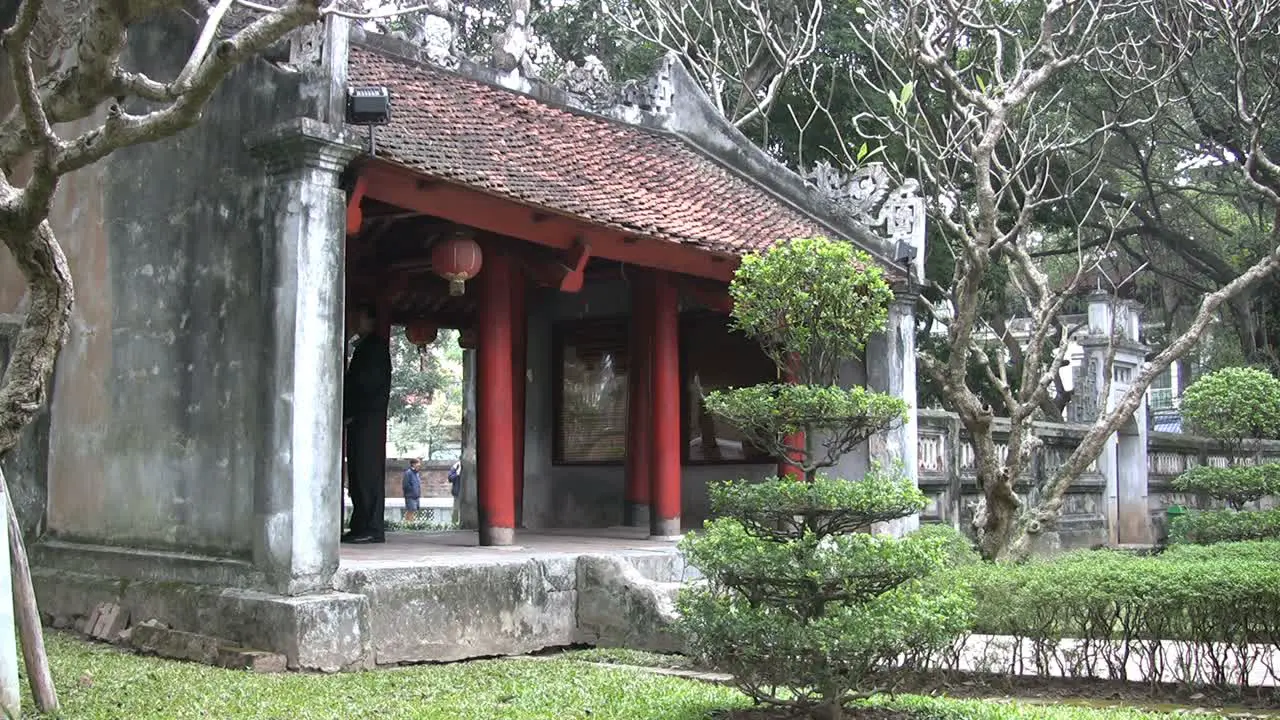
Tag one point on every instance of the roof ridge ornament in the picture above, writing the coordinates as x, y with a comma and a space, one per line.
858, 194
656, 93
865, 197
591, 89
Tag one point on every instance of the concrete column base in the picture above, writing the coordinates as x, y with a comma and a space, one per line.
635, 515
496, 536
668, 529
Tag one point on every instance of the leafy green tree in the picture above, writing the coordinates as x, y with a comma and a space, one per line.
1234, 406
1238, 407
801, 603
426, 391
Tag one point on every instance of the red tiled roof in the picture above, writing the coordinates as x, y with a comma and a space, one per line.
610, 173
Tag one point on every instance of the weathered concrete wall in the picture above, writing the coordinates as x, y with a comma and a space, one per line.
158, 406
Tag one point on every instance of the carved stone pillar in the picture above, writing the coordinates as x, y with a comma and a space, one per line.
891, 369
297, 522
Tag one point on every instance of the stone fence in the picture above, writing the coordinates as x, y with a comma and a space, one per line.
1120, 499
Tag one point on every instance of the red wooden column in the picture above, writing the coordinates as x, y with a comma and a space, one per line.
519, 358
786, 466
495, 441
664, 518
636, 511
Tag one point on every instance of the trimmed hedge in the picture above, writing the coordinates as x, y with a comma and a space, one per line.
1253, 550
1218, 526
1194, 620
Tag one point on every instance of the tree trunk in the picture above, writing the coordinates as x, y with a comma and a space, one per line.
27, 612
997, 514
26, 379
1043, 519
22, 393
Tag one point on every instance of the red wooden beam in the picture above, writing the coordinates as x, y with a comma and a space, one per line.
469, 206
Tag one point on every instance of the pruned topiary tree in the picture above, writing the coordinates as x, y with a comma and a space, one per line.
1238, 407
802, 603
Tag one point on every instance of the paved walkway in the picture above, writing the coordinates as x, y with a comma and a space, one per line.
462, 547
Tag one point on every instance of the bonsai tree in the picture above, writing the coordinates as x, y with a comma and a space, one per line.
801, 603
1237, 407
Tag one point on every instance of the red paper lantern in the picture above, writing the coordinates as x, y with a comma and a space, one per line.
456, 259
420, 333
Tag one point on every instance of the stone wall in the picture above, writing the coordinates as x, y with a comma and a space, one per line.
946, 475
435, 478
1171, 454
165, 420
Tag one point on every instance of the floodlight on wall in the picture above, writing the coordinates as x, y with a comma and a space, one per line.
905, 252
369, 106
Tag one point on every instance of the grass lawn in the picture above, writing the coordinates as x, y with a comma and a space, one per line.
96, 681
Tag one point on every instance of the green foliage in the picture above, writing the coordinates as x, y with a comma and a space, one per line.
1251, 550
98, 682
426, 392
811, 303
813, 298
416, 375
825, 506
958, 550
1234, 485
1216, 526
1234, 405
797, 600
800, 576
768, 647
843, 417
1124, 610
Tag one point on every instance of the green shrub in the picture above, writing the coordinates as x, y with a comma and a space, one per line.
958, 549
797, 599
1234, 485
1251, 550
1189, 619
1234, 405
1217, 526
800, 604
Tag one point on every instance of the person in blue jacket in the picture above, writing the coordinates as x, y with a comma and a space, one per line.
412, 486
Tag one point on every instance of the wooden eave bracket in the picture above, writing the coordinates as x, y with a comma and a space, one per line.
575, 267
355, 215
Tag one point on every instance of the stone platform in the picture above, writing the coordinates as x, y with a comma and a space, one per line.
441, 597
420, 597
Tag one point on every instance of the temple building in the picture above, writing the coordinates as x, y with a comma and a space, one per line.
189, 469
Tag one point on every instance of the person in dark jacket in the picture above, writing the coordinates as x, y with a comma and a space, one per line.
411, 484
455, 486
366, 392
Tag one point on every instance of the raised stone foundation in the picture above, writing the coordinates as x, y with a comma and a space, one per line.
451, 603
